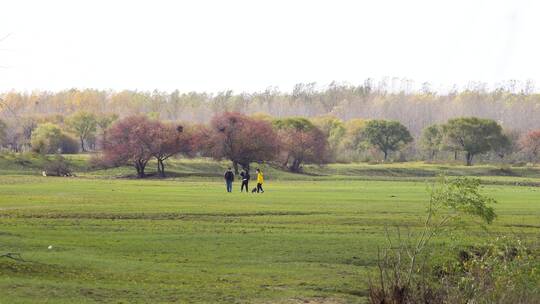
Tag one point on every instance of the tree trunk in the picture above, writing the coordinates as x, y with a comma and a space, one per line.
433, 154
103, 140
143, 165
138, 169
161, 167
140, 166
82, 144
455, 155
295, 166
385, 155
469, 158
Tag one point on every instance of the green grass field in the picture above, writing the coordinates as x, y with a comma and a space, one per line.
309, 239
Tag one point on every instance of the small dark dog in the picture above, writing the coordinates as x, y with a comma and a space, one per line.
254, 190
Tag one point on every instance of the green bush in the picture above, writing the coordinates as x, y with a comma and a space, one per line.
48, 138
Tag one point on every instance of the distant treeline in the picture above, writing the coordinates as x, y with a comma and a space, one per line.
516, 109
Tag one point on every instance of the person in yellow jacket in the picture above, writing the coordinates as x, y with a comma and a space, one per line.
260, 181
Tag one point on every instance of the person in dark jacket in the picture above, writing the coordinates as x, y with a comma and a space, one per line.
245, 180
229, 179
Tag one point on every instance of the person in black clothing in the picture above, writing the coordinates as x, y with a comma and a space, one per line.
245, 180
229, 178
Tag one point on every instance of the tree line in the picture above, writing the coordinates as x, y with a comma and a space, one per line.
513, 105
288, 142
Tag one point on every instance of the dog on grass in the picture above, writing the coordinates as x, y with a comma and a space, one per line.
254, 190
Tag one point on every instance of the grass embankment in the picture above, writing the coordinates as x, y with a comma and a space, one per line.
205, 169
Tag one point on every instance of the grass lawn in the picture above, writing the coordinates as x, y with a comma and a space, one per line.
159, 241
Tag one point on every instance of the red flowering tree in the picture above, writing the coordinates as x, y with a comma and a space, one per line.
168, 140
240, 139
530, 143
137, 139
300, 142
124, 143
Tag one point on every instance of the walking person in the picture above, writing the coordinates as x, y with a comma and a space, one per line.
229, 179
245, 180
260, 181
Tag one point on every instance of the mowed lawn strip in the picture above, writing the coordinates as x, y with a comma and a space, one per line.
185, 241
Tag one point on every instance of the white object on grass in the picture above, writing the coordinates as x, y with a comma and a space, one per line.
50, 247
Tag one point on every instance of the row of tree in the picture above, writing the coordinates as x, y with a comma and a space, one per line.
81, 131
475, 136
236, 137
290, 142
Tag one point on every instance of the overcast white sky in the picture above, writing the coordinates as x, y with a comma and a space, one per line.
212, 45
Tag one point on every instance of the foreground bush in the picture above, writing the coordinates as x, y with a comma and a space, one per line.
502, 271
